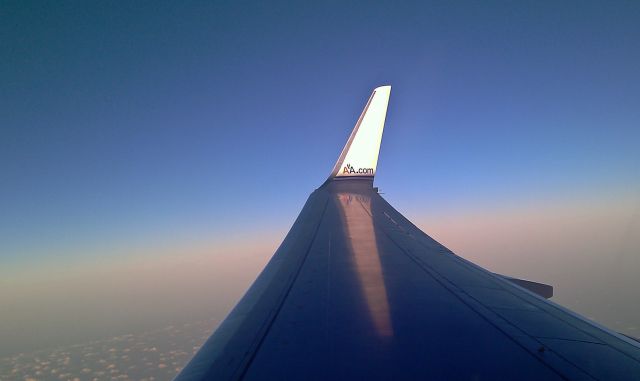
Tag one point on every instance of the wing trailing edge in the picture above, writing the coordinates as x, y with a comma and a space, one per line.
541, 289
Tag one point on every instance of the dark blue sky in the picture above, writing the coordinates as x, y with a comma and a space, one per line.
137, 123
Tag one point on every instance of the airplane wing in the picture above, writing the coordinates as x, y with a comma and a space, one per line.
356, 291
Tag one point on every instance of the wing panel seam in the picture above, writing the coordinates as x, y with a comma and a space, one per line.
284, 296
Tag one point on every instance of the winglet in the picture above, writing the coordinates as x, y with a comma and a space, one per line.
359, 156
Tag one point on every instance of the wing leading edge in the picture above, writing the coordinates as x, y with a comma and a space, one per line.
356, 291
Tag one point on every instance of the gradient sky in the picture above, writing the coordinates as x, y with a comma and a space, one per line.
147, 133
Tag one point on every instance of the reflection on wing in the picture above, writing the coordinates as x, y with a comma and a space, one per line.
355, 210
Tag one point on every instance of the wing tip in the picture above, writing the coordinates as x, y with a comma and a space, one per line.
362, 161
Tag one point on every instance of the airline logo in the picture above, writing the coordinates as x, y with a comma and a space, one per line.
350, 170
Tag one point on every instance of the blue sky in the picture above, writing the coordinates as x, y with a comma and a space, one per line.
153, 124
127, 121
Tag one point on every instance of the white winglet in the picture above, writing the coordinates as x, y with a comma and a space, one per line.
359, 156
